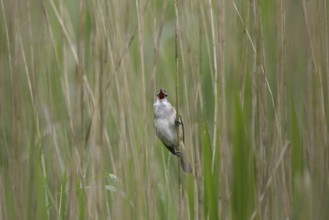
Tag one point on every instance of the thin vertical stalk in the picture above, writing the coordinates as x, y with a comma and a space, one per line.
281, 66
257, 99
223, 151
215, 82
177, 106
141, 51
80, 71
281, 98
326, 153
327, 40
7, 38
176, 57
198, 173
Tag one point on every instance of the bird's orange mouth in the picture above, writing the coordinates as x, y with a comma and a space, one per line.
162, 94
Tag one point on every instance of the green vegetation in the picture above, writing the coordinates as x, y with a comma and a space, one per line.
77, 84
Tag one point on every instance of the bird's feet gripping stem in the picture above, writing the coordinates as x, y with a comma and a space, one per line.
179, 121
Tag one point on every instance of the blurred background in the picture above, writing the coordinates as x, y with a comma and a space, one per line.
78, 81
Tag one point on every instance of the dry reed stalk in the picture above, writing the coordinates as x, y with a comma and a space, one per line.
214, 140
223, 133
177, 105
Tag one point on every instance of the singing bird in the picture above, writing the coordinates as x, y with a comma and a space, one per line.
166, 124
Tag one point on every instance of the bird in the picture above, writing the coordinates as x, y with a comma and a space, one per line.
166, 124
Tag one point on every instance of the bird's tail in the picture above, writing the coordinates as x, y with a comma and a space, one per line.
184, 162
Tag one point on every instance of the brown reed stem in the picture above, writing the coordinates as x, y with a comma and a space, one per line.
177, 109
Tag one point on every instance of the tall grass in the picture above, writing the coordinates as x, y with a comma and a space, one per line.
77, 84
